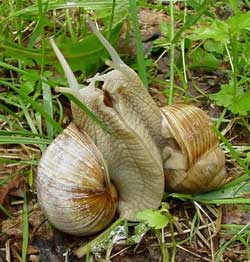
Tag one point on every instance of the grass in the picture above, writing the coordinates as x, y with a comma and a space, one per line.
32, 113
25, 228
139, 49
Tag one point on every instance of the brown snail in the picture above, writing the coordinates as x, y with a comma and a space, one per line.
193, 162
143, 143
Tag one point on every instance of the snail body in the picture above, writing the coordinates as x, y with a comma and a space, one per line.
146, 148
134, 162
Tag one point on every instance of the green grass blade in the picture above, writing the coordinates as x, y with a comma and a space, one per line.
192, 20
23, 72
5, 211
8, 111
234, 154
48, 107
35, 105
21, 133
25, 227
6, 179
229, 242
111, 19
6, 160
139, 49
10, 122
238, 194
53, 5
90, 114
28, 118
172, 51
5, 140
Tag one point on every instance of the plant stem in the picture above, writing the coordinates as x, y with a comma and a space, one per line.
183, 47
221, 118
111, 19
81, 251
139, 50
70, 27
172, 51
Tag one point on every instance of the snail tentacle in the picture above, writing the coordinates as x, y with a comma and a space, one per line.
68, 72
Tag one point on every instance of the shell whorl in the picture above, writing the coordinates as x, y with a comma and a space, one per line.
73, 187
194, 162
191, 128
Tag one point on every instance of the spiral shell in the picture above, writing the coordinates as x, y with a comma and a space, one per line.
73, 187
193, 161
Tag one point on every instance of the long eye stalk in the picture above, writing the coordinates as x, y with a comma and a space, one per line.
117, 62
68, 72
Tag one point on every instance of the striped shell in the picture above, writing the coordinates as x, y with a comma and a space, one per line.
194, 162
73, 187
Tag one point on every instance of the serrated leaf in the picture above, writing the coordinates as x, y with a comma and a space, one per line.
239, 22
241, 104
153, 218
225, 96
238, 103
218, 31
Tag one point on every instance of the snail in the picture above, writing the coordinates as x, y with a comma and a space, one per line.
193, 160
87, 173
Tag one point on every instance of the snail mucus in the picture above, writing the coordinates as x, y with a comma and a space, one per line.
87, 173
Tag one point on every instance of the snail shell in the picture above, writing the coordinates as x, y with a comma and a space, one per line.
73, 186
193, 162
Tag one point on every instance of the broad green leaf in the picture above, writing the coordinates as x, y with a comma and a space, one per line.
201, 58
239, 22
241, 104
238, 103
218, 31
193, 19
86, 55
153, 218
225, 96
214, 46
